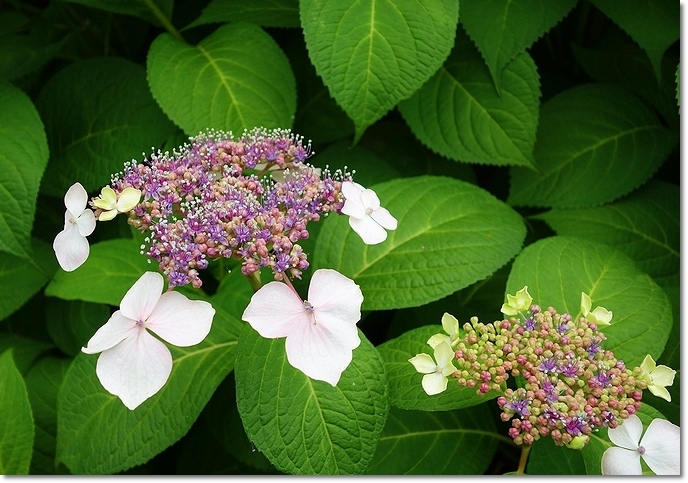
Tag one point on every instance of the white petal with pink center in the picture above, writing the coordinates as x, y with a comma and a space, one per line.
366, 216
70, 245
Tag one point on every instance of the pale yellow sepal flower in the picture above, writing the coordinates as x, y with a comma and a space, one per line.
516, 304
658, 377
451, 326
111, 204
600, 316
436, 371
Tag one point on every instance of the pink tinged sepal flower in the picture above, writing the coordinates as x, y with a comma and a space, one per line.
321, 332
436, 371
134, 365
366, 216
660, 448
111, 203
70, 245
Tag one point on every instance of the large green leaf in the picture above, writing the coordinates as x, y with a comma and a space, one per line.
43, 382
24, 350
556, 271
645, 225
149, 10
372, 54
654, 24
459, 114
617, 144
450, 235
23, 157
111, 269
236, 78
98, 434
405, 390
98, 113
16, 421
21, 278
306, 426
502, 29
440, 443
71, 323
267, 13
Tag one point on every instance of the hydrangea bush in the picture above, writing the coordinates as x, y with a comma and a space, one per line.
432, 237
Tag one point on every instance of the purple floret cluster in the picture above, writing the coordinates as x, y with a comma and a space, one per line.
569, 385
213, 198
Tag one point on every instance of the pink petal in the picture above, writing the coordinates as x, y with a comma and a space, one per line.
140, 300
115, 330
620, 461
71, 249
335, 297
370, 232
135, 369
384, 218
275, 311
76, 199
86, 222
180, 321
370, 199
662, 443
627, 434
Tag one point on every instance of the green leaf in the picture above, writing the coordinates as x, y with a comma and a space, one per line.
369, 168
148, 10
654, 24
23, 157
439, 443
98, 114
111, 269
20, 278
645, 225
458, 113
405, 390
237, 78
43, 382
266, 13
16, 421
546, 458
24, 349
71, 324
306, 426
678, 84
502, 29
23, 52
373, 54
556, 271
618, 143
450, 235
97, 434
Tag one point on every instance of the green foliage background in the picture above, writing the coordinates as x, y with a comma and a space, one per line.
518, 142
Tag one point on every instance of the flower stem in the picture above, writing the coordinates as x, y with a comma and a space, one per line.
525, 450
254, 280
166, 23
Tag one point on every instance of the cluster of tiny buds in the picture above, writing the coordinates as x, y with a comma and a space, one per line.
568, 385
248, 199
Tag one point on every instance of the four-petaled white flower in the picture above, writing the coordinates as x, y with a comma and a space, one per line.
134, 365
660, 448
515, 304
70, 245
600, 316
451, 326
111, 204
436, 371
321, 332
658, 377
366, 216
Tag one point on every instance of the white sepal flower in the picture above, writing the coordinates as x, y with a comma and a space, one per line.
658, 377
70, 245
321, 332
516, 304
436, 371
451, 326
134, 365
600, 316
366, 216
111, 204
660, 448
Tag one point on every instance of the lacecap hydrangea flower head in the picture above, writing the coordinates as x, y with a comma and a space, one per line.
248, 199
569, 385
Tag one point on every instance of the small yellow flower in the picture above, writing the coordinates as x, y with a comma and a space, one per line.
516, 304
111, 204
435, 378
600, 316
658, 377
